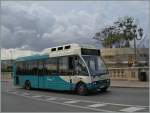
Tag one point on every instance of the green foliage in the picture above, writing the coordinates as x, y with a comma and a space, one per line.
120, 33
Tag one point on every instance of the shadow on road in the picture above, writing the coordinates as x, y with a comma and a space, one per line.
69, 92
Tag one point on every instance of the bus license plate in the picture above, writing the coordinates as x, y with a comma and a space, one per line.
101, 86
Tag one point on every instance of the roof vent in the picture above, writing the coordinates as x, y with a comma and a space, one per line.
67, 47
60, 48
53, 49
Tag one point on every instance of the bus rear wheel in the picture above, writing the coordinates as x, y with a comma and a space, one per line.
27, 85
81, 89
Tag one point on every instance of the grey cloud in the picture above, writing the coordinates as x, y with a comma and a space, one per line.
36, 27
24, 27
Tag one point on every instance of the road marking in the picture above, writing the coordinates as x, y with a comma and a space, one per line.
97, 105
71, 102
92, 106
14, 92
132, 109
26, 93
52, 98
37, 96
55, 102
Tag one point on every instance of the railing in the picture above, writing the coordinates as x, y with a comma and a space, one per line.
130, 73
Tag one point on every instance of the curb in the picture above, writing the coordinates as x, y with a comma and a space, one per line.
117, 86
5, 80
129, 87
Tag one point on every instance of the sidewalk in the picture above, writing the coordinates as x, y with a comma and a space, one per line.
121, 83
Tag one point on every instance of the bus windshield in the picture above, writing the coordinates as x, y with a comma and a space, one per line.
95, 64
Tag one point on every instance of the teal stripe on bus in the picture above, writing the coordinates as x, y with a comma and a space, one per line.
54, 82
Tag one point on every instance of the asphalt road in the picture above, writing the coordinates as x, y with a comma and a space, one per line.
15, 99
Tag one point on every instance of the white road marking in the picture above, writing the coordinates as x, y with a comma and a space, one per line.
97, 105
26, 93
37, 96
52, 98
131, 109
14, 92
71, 102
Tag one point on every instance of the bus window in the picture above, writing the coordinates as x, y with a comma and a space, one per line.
51, 66
66, 65
71, 63
34, 69
80, 67
40, 67
63, 65
18, 68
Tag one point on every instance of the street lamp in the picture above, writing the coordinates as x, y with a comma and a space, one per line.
136, 37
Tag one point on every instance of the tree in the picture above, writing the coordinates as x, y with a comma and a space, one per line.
120, 33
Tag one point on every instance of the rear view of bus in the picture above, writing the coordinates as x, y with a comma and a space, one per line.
69, 67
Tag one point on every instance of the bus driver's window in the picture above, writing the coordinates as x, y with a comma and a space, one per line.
71, 65
76, 63
80, 67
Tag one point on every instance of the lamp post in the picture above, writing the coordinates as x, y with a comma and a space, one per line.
136, 37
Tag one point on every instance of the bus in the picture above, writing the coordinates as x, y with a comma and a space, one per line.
70, 67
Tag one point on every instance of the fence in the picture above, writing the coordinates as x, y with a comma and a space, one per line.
6, 75
130, 73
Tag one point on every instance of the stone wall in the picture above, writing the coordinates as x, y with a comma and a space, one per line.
118, 62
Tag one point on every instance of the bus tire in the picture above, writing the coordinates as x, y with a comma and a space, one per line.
104, 89
27, 85
82, 89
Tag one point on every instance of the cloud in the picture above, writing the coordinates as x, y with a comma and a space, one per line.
36, 26
15, 53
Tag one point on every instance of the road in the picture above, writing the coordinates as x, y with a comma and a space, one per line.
15, 99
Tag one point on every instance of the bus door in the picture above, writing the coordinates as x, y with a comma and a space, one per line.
41, 74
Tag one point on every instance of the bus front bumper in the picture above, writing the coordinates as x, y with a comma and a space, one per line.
98, 85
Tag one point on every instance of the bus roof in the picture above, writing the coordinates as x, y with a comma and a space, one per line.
67, 47
64, 50
33, 57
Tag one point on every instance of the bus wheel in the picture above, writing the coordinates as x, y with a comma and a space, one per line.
27, 85
81, 89
104, 89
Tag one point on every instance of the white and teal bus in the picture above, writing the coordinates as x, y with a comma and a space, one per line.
68, 67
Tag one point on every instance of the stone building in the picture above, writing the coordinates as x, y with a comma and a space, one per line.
6, 65
120, 63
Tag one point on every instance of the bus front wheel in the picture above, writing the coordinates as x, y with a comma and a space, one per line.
104, 89
81, 89
27, 85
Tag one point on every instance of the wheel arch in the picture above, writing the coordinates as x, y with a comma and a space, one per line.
27, 80
78, 83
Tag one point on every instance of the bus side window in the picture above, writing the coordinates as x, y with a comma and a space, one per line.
63, 65
34, 68
51, 66
40, 67
76, 64
71, 66
18, 68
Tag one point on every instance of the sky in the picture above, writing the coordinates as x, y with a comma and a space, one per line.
28, 27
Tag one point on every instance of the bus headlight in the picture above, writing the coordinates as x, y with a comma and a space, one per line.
108, 80
94, 83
